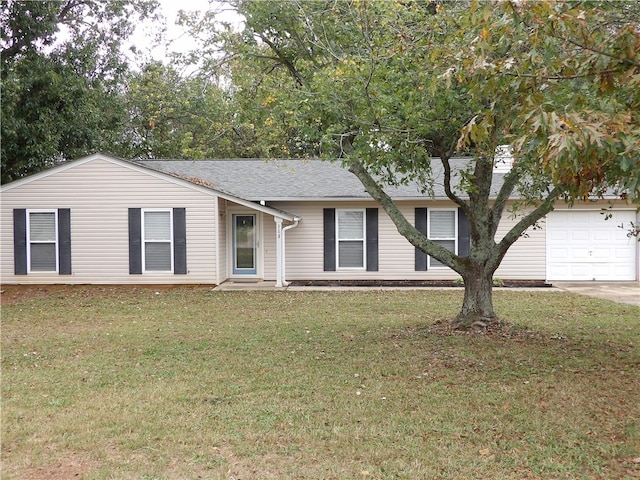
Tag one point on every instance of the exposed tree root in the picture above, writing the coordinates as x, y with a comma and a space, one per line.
496, 328
473, 321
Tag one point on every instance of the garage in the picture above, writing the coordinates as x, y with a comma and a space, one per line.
582, 245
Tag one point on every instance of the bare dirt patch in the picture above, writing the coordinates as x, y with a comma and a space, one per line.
12, 294
499, 329
67, 468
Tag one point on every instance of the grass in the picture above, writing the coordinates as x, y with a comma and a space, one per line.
186, 383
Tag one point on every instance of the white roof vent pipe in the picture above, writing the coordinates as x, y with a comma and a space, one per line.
503, 161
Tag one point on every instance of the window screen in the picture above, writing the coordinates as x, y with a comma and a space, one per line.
350, 238
442, 230
42, 242
157, 241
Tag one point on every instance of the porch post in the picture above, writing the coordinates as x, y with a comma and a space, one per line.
279, 252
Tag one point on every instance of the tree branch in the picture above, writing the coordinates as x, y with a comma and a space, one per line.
560, 77
626, 60
527, 221
508, 186
447, 184
413, 235
283, 59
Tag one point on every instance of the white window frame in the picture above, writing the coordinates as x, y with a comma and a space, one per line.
454, 238
55, 239
363, 239
152, 240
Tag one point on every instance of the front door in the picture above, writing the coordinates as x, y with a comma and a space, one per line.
244, 244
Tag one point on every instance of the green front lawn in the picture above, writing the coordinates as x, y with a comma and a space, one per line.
187, 383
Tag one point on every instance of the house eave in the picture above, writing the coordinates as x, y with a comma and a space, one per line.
350, 199
152, 172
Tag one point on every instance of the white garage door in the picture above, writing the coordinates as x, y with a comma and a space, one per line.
582, 245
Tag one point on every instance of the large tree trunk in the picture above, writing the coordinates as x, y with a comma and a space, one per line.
478, 267
477, 307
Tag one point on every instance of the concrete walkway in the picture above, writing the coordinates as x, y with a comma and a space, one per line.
236, 285
621, 292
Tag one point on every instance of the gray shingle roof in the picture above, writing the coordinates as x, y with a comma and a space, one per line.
291, 179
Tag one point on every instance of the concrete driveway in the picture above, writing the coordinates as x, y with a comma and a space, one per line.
621, 292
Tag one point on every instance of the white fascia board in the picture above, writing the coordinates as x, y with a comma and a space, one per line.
275, 212
351, 199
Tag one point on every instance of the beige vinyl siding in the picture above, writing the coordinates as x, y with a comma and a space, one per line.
269, 247
526, 259
304, 247
99, 194
600, 205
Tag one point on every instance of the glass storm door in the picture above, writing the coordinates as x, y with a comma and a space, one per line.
244, 244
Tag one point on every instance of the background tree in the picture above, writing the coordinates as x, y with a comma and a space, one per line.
248, 74
385, 86
62, 63
170, 115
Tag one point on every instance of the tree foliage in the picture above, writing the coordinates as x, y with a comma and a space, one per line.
62, 63
386, 86
570, 73
247, 73
557, 80
169, 115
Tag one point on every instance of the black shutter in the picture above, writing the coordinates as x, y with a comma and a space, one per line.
372, 239
20, 241
329, 239
421, 260
464, 234
64, 241
135, 241
179, 241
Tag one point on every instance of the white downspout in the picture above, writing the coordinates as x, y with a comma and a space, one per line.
288, 227
280, 250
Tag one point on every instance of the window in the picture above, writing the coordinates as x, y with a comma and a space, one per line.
350, 227
350, 239
42, 236
42, 241
442, 230
157, 243
448, 227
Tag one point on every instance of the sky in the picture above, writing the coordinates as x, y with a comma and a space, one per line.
180, 40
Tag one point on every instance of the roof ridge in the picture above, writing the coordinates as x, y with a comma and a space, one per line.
228, 159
